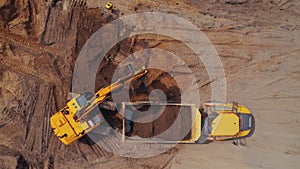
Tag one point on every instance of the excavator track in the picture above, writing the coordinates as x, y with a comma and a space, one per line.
37, 139
25, 43
19, 67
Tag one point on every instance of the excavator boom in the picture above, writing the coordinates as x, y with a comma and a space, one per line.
103, 93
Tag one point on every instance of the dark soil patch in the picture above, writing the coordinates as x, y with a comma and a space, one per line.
8, 12
155, 79
160, 125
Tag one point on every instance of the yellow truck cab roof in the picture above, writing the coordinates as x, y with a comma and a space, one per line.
226, 124
230, 120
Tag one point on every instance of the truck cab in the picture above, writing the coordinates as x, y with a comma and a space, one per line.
227, 121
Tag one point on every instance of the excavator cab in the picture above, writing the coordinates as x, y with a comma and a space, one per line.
77, 103
83, 99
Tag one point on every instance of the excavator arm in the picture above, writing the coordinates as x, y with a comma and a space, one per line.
103, 93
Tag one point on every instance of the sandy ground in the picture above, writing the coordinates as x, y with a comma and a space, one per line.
258, 43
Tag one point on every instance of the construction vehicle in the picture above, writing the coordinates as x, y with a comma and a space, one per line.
108, 6
74, 120
216, 122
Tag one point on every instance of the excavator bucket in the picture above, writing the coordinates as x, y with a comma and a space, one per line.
131, 68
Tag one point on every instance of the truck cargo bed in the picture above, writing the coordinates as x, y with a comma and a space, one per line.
162, 122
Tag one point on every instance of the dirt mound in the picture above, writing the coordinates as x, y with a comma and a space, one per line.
165, 120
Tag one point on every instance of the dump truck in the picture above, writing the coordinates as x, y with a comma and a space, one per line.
214, 122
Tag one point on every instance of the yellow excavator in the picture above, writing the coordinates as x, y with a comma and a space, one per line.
74, 121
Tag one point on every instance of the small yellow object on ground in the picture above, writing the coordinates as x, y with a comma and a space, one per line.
109, 5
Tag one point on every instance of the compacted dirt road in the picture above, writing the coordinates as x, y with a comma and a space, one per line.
257, 41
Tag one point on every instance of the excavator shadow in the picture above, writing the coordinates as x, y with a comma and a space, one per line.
93, 138
106, 130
